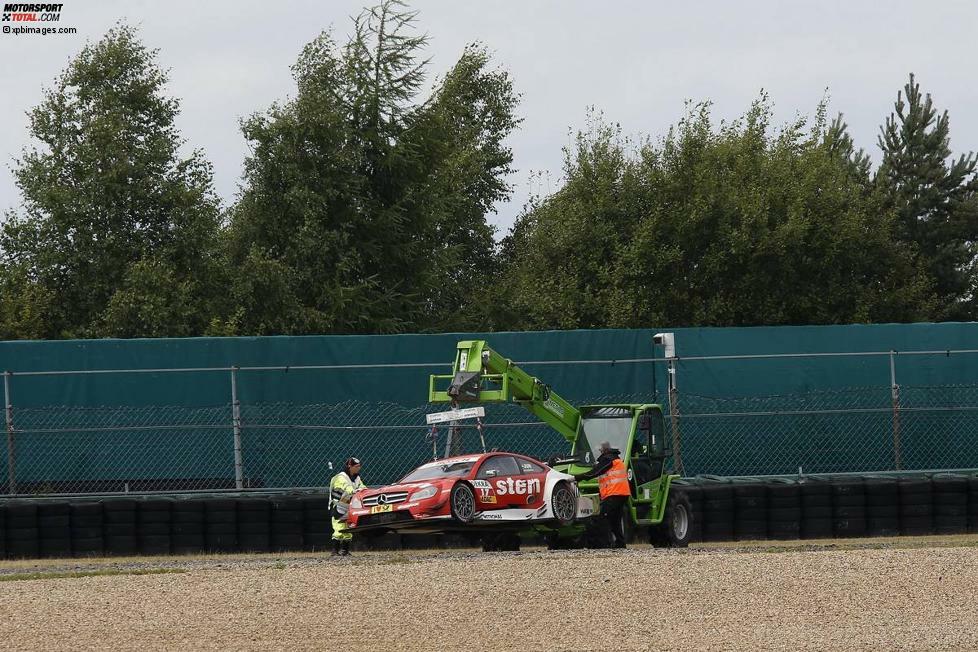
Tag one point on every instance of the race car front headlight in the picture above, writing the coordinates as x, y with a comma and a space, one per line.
422, 494
355, 503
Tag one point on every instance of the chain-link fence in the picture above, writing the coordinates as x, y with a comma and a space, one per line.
856, 429
246, 443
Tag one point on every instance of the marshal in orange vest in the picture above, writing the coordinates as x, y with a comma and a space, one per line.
614, 482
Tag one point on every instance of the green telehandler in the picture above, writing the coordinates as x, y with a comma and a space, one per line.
481, 375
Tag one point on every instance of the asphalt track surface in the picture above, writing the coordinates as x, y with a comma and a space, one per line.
899, 594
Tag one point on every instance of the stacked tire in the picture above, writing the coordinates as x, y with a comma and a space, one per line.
718, 512
86, 529
784, 511
973, 504
317, 528
254, 525
750, 506
849, 508
22, 530
950, 500
221, 530
882, 507
816, 509
54, 529
287, 519
916, 506
187, 531
155, 519
120, 526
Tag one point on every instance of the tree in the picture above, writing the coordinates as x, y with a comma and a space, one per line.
118, 234
935, 197
364, 207
714, 226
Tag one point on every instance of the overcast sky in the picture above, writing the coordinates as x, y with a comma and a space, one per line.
636, 61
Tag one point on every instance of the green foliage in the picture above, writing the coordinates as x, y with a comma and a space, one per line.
364, 205
364, 209
936, 198
735, 224
117, 231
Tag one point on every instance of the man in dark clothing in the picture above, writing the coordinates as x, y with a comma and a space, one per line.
614, 489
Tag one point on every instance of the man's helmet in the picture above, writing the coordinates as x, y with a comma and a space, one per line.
352, 462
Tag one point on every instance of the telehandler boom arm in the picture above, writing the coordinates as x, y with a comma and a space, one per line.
480, 375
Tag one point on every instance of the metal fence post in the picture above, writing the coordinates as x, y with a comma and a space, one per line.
236, 422
677, 452
11, 452
895, 395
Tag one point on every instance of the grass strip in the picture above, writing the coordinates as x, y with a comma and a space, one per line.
17, 577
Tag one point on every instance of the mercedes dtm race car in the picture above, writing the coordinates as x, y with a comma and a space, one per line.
471, 490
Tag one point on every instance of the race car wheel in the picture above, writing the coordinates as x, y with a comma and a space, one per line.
462, 501
563, 504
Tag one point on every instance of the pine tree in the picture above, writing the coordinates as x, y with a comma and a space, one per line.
935, 196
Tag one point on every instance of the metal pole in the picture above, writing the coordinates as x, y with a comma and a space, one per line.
677, 453
236, 422
11, 453
895, 395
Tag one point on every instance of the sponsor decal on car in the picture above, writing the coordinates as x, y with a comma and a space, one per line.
509, 486
484, 490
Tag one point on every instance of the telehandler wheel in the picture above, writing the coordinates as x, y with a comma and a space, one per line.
563, 504
675, 529
462, 501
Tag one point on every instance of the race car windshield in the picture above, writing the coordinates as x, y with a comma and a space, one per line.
450, 470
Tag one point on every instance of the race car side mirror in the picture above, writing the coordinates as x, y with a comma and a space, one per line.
492, 473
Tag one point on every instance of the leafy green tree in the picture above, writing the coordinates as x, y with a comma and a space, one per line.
736, 224
118, 234
364, 207
935, 196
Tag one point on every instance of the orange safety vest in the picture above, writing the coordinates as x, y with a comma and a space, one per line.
614, 482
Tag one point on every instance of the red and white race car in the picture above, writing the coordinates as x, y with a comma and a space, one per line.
486, 489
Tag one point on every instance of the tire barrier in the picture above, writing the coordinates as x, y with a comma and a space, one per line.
723, 509
22, 533
221, 525
187, 533
317, 528
950, 495
849, 508
718, 511
155, 521
816, 509
54, 529
784, 511
286, 524
916, 506
120, 526
87, 532
750, 511
882, 507
973, 504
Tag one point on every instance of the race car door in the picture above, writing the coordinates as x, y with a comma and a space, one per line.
495, 483
533, 477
